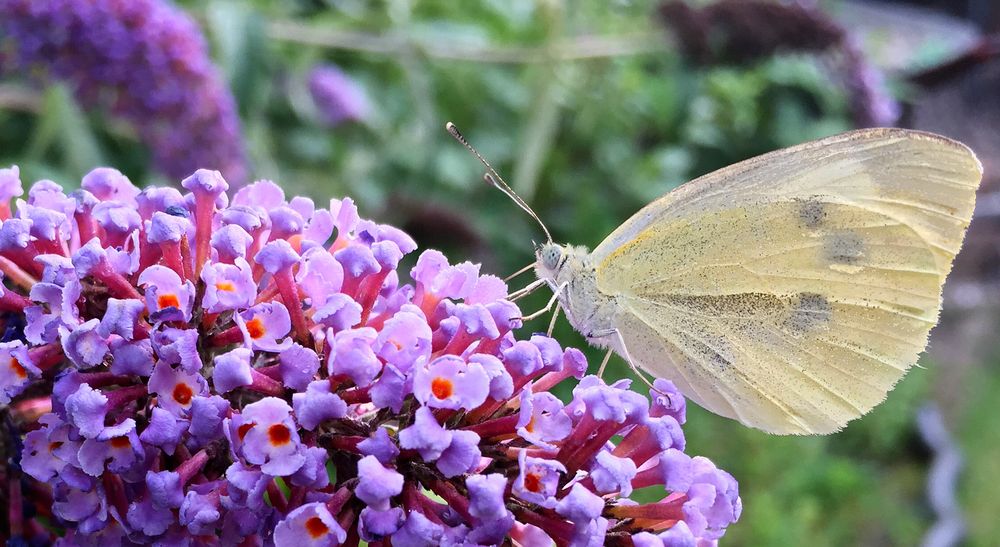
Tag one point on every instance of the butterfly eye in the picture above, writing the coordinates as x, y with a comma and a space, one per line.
551, 255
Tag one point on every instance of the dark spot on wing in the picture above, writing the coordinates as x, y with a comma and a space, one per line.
845, 248
809, 312
714, 350
812, 213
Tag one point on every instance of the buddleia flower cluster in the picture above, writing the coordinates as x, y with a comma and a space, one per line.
144, 60
194, 369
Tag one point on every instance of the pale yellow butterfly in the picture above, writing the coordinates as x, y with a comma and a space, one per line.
789, 292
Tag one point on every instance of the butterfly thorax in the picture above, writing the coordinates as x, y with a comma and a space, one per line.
569, 272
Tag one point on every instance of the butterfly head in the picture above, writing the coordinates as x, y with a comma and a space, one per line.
553, 261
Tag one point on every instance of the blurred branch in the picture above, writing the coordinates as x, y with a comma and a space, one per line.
448, 48
19, 99
942, 479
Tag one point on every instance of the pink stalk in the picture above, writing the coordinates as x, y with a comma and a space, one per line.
16, 274
290, 295
12, 301
118, 286
495, 427
47, 356
264, 384
342, 496
670, 508
114, 490
456, 501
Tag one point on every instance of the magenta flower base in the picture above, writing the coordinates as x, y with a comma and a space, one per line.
190, 369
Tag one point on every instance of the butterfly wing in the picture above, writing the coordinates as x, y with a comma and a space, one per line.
793, 290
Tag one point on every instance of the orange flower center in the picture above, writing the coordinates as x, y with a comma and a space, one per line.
442, 388
279, 435
168, 300
532, 482
530, 428
183, 393
242, 430
225, 286
120, 442
18, 369
54, 445
256, 328
316, 528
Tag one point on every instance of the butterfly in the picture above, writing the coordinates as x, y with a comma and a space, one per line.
789, 292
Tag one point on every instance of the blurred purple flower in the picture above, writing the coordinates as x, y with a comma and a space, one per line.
144, 60
337, 96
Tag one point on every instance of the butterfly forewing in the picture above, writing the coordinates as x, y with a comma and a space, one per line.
793, 290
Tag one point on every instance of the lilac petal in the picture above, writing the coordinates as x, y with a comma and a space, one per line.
309, 524
486, 496
461, 456
298, 366
425, 435
450, 382
232, 370
375, 524
418, 531
317, 405
84, 345
377, 483
380, 445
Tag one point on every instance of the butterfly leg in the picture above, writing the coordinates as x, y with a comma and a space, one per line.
604, 363
552, 302
519, 272
628, 358
552, 322
525, 291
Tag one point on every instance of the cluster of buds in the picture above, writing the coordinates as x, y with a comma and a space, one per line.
183, 368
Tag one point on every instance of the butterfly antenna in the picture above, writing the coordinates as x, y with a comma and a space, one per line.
494, 179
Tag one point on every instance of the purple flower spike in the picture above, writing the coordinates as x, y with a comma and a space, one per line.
344, 401
450, 382
109, 184
272, 440
263, 324
377, 483
308, 525
168, 298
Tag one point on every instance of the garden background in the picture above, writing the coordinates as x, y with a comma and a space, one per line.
591, 109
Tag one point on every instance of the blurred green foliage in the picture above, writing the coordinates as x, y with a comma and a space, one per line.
587, 142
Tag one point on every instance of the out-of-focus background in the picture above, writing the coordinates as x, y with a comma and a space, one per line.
590, 109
